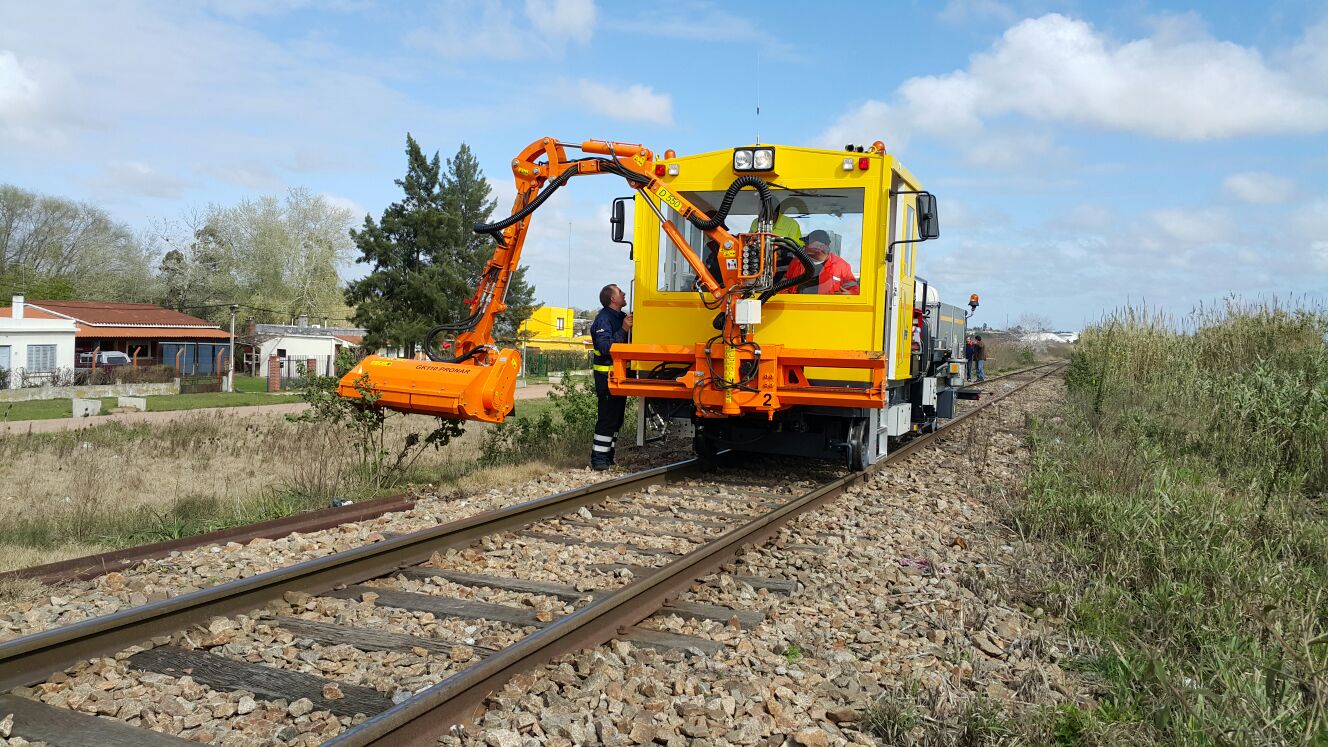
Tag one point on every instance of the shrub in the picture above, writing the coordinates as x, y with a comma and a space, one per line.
1184, 497
560, 432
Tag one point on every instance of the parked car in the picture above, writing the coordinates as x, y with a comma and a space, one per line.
105, 359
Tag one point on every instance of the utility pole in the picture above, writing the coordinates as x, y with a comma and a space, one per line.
230, 358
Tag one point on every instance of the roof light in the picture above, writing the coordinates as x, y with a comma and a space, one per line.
673, 169
670, 153
753, 159
864, 163
659, 169
848, 164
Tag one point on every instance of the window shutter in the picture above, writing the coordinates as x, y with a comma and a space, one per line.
41, 358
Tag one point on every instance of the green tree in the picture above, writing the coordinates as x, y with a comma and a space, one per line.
424, 255
55, 248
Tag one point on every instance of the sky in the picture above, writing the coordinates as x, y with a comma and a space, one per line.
1084, 155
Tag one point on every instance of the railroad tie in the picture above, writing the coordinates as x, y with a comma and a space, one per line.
578, 542
366, 639
773, 585
36, 721
439, 606
221, 673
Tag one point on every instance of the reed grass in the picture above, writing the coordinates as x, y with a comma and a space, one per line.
1181, 500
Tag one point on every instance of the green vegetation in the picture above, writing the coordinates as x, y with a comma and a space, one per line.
45, 409
1181, 499
558, 432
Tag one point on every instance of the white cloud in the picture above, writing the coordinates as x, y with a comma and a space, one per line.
634, 103
1207, 225
1178, 84
357, 212
17, 87
134, 177
1260, 188
471, 29
966, 11
566, 19
694, 22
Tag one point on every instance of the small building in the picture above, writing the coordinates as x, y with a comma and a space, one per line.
553, 328
148, 334
33, 345
297, 344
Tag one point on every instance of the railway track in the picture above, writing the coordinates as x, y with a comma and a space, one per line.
640, 541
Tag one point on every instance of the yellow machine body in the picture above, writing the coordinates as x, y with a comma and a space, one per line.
456, 391
875, 323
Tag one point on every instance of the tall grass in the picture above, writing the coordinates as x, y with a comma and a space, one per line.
1183, 495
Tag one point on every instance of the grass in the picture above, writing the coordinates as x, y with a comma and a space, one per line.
1181, 505
116, 485
46, 409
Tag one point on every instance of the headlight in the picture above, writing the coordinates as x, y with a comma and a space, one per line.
753, 159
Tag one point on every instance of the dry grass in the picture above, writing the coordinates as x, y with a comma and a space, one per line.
79, 492
156, 465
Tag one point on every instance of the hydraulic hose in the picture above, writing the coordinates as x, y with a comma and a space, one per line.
755, 182
493, 229
789, 245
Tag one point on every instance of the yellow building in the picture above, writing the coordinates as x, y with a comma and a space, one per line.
553, 328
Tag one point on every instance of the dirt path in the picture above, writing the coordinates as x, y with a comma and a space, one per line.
54, 425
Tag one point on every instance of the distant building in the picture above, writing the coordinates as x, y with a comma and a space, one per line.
554, 328
33, 342
147, 334
296, 344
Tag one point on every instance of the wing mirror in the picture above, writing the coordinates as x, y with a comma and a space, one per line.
618, 224
929, 219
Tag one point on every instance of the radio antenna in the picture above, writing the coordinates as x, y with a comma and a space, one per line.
758, 97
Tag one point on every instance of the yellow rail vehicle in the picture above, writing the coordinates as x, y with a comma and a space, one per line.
777, 300
842, 359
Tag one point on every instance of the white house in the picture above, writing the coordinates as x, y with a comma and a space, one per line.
296, 344
32, 346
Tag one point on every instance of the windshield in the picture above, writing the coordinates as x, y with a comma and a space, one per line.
837, 212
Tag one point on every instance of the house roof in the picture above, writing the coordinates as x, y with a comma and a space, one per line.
153, 332
117, 314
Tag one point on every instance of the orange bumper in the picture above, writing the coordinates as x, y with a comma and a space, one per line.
779, 381
455, 391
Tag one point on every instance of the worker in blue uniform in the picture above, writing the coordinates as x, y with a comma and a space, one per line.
610, 326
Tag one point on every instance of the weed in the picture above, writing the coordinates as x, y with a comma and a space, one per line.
793, 654
1181, 501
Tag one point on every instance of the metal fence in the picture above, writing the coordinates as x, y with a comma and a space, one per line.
544, 362
293, 370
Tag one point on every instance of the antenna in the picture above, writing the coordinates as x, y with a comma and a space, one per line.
758, 97
569, 264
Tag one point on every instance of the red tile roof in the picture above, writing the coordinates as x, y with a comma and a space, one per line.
28, 313
99, 313
165, 334
352, 339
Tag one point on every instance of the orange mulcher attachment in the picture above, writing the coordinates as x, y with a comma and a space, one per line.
466, 376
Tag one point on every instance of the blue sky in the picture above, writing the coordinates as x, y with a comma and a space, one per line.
1085, 155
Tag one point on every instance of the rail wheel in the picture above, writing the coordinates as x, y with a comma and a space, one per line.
705, 448
857, 445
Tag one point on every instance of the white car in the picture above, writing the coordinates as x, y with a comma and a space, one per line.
106, 359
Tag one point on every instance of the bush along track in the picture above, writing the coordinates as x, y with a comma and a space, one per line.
1181, 499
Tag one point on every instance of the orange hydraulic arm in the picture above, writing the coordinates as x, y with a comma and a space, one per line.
470, 378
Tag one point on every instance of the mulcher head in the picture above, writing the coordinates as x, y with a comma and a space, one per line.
455, 391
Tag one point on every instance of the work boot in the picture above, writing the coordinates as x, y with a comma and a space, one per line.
600, 466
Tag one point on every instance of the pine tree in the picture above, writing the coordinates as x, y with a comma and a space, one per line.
425, 257
467, 197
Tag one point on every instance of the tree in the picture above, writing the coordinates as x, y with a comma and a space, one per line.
55, 248
280, 258
424, 255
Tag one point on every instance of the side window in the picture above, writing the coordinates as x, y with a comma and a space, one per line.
562, 324
41, 358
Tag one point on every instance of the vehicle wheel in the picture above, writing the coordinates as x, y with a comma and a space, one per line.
857, 445
705, 449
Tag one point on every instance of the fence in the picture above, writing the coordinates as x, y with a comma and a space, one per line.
293, 369
544, 362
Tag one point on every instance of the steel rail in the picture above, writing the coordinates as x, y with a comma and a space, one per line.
28, 659
419, 721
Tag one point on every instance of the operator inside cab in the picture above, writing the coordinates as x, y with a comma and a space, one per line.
834, 274
785, 225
